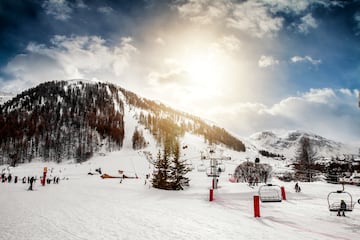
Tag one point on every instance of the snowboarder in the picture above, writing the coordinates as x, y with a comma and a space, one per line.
342, 208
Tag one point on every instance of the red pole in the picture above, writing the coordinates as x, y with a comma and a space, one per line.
256, 206
283, 194
211, 196
44, 176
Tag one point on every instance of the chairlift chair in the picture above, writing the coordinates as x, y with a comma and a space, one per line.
212, 172
270, 193
334, 201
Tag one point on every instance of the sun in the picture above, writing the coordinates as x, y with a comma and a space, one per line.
204, 70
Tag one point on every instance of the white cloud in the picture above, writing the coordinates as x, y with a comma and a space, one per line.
319, 95
231, 43
267, 61
69, 57
298, 6
306, 23
346, 91
253, 18
60, 9
297, 59
204, 11
105, 10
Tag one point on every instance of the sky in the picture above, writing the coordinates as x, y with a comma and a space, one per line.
247, 66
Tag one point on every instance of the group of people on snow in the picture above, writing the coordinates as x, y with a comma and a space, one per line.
7, 178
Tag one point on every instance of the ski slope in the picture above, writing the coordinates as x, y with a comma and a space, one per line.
85, 206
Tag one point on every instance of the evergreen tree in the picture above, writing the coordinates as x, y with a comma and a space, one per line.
178, 170
161, 174
170, 170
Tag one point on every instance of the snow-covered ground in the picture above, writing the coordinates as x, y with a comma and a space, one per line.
85, 206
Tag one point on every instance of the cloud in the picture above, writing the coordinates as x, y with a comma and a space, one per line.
328, 112
297, 59
231, 43
204, 11
258, 18
177, 76
105, 10
306, 23
298, 6
267, 61
319, 95
253, 18
60, 9
174, 73
67, 58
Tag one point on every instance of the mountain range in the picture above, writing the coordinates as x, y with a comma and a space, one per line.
74, 119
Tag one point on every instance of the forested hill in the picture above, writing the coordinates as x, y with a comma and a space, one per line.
75, 119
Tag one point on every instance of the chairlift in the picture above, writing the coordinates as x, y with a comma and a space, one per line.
270, 193
212, 172
334, 200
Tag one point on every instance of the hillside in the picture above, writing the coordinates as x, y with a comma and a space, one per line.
74, 119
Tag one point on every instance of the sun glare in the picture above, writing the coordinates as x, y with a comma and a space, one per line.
204, 71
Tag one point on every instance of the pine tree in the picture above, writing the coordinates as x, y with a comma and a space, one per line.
161, 174
170, 170
178, 170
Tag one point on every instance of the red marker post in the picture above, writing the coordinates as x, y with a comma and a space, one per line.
283, 193
211, 195
256, 206
44, 176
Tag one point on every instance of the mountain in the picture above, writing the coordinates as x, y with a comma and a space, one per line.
287, 144
74, 119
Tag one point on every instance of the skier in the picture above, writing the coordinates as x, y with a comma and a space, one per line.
297, 187
342, 208
32, 179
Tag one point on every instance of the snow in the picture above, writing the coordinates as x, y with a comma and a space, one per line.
85, 206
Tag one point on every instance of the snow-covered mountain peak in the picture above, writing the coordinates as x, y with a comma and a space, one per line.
288, 143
